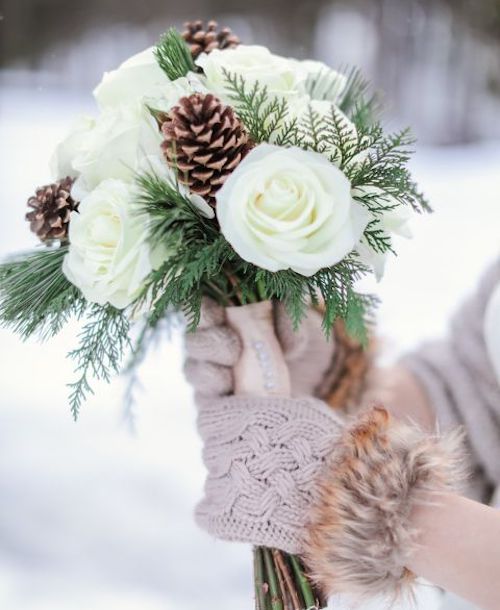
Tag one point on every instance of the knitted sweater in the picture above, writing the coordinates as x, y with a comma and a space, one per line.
459, 377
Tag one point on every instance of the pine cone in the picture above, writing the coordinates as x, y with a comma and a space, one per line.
204, 141
203, 39
52, 205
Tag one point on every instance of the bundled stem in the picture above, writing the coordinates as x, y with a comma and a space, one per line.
281, 584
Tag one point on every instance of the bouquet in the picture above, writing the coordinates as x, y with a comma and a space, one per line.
213, 169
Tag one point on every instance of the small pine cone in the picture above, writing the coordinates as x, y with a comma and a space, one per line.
204, 141
51, 208
203, 39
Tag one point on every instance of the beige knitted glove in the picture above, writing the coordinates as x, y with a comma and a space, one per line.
214, 348
286, 473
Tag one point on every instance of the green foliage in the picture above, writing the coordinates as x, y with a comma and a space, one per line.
384, 166
173, 55
205, 264
265, 116
35, 296
102, 343
169, 214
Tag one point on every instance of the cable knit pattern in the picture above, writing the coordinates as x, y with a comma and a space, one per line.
461, 384
263, 457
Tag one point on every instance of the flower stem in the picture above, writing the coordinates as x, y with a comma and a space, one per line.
281, 581
276, 597
303, 583
283, 569
261, 597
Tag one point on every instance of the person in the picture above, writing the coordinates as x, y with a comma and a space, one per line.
371, 499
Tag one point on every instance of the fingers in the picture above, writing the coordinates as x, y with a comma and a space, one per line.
218, 345
212, 350
208, 379
293, 342
296, 342
212, 314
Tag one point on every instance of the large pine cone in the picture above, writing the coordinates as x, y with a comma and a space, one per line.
51, 206
203, 39
204, 141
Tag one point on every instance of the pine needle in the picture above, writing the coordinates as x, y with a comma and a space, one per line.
35, 296
173, 55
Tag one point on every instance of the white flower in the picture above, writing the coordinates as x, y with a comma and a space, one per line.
114, 147
61, 163
282, 77
172, 93
138, 77
323, 83
395, 221
286, 208
108, 257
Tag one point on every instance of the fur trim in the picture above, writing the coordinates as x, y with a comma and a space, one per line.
360, 537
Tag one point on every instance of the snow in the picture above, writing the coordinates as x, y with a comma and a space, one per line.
94, 517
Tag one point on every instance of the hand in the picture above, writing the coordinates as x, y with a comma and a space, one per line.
286, 473
215, 348
262, 454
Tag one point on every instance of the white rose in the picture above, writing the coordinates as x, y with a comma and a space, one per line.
395, 221
108, 257
114, 147
172, 93
61, 163
322, 82
138, 77
282, 77
286, 208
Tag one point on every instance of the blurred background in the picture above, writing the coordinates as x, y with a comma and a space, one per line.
98, 515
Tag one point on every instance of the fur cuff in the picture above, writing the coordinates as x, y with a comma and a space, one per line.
360, 535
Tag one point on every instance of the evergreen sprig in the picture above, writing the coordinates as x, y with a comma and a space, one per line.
102, 343
266, 116
169, 214
35, 296
173, 55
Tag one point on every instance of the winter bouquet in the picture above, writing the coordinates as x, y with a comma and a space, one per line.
213, 169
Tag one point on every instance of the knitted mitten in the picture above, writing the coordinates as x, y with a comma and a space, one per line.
287, 473
307, 353
263, 457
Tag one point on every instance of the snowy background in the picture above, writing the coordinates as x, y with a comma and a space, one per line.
94, 516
